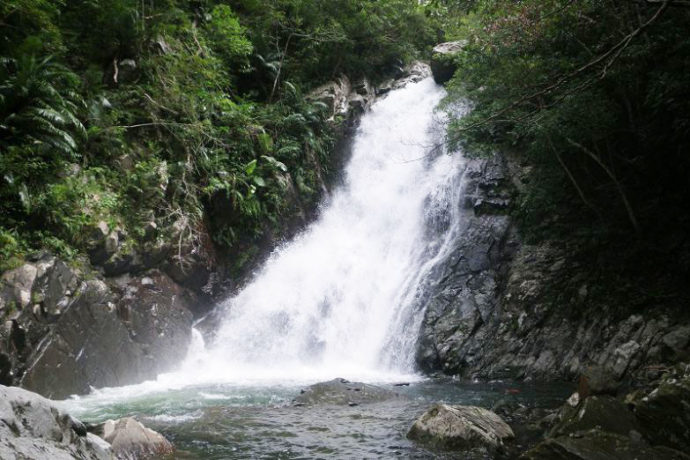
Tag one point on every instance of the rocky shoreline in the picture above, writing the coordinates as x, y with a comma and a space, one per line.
35, 428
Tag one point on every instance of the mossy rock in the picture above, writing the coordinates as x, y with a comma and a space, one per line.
443, 63
664, 413
600, 445
445, 427
602, 412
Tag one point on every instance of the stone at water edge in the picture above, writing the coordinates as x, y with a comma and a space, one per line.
132, 440
597, 380
602, 412
460, 427
32, 427
599, 445
664, 412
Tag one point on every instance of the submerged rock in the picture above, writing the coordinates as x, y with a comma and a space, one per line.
460, 427
32, 427
131, 440
343, 392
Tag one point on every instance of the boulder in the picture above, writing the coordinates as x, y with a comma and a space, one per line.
678, 342
600, 445
664, 412
18, 283
601, 412
443, 63
131, 440
460, 427
32, 427
342, 392
597, 380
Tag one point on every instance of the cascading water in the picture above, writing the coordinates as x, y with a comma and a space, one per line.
343, 299
340, 299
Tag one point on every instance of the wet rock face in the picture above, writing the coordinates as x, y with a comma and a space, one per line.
460, 428
80, 331
502, 308
466, 294
342, 392
33, 428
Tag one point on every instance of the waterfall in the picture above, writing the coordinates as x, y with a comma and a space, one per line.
343, 297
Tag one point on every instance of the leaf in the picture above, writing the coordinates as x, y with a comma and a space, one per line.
25, 198
250, 167
275, 163
266, 142
259, 181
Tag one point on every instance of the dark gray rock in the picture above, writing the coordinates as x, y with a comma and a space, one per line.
600, 445
597, 380
80, 331
460, 427
342, 392
678, 342
33, 428
605, 413
465, 295
131, 440
501, 308
664, 412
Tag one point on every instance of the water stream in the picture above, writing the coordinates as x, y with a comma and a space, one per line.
340, 300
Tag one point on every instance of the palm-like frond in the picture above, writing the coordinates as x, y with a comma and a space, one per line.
38, 105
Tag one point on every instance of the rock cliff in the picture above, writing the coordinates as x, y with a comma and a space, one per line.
505, 308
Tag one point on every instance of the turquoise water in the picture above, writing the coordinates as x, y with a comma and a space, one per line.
233, 422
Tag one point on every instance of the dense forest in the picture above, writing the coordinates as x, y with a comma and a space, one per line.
143, 114
140, 113
594, 97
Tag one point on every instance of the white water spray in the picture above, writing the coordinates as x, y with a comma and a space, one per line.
340, 299
344, 298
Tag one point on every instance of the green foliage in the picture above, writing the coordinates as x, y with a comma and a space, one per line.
39, 129
11, 250
191, 115
228, 35
593, 93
